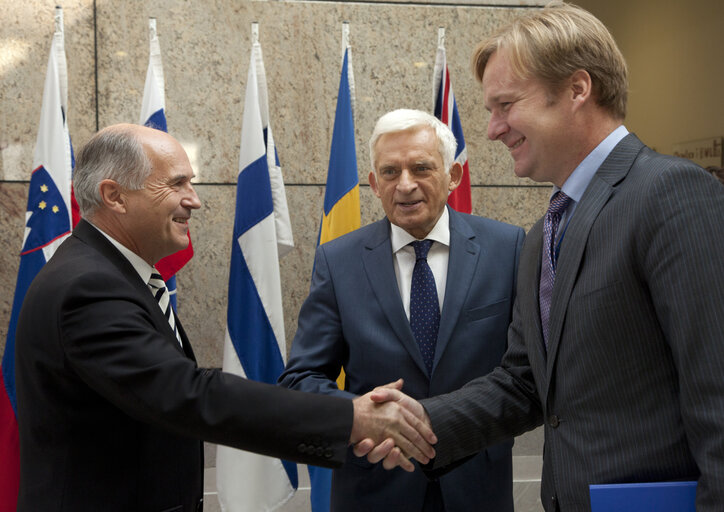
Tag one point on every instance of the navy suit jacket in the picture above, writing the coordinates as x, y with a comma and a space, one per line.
354, 318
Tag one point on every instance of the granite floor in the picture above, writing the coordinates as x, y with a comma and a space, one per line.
527, 463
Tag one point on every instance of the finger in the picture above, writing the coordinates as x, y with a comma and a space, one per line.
381, 450
363, 447
393, 385
412, 435
420, 424
397, 458
386, 394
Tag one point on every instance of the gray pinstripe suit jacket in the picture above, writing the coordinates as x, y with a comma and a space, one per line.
632, 386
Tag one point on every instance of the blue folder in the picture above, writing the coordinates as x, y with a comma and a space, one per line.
649, 497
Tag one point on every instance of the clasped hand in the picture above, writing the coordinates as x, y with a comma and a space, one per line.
391, 427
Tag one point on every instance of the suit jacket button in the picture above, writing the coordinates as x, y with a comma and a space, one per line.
302, 447
553, 421
328, 453
319, 451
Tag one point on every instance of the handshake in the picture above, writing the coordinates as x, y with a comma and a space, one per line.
390, 426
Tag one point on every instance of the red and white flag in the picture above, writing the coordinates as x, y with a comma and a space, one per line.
446, 110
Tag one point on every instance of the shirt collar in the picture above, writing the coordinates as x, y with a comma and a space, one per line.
578, 181
399, 238
139, 264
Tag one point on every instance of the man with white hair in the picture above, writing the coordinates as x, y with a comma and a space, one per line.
424, 294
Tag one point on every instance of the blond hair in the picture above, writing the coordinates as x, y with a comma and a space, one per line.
552, 44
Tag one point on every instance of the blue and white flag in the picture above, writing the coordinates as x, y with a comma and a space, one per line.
48, 222
255, 345
153, 115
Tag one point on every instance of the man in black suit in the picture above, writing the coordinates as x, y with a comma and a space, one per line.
111, 405
617, 338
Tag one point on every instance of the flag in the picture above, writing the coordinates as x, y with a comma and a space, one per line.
255, 344
446, 110
48, 222
341, 214
153, 115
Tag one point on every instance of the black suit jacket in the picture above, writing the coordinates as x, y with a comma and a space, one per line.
631, 388
111, 410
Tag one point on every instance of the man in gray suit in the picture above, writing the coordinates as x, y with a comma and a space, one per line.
624, 270
361, 314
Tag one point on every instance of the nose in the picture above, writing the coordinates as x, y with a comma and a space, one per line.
496, 126
407, 182
191, 199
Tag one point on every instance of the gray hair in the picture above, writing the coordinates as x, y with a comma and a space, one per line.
114, 153
404, 119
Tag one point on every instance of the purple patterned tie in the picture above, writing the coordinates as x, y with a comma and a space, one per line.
424, 307
558, 205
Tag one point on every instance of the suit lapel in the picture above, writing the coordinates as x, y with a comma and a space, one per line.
464, 253
378, 265
529, 272
599, 191
92, 237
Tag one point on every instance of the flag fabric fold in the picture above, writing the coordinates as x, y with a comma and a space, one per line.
153, 115
48, 221
446, 110
341, 215
255, 342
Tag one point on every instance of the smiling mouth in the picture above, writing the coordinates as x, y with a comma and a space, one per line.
409, 203
517, 144
179, 220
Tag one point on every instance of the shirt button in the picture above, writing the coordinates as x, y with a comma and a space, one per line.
553, 421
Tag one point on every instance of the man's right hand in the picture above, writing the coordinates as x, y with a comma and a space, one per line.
392, 426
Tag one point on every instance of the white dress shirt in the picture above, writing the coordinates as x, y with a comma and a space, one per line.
404, 258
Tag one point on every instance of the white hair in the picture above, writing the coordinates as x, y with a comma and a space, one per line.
113, 153
404, 119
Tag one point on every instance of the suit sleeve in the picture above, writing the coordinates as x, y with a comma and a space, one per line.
109, 340
319, 348
489, 409
681, 251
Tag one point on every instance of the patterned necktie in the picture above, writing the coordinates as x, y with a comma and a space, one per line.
424, 307
159, 291
558, 205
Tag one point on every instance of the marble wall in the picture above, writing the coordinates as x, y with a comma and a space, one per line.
205, 48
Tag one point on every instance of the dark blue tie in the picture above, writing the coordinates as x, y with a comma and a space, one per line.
558, 205
424, 307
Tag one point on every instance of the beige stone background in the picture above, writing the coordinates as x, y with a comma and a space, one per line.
673, 48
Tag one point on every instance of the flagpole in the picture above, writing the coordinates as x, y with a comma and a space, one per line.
254, 32
346, 46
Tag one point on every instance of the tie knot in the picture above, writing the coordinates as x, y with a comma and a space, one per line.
422, 247
559, 203
156, 280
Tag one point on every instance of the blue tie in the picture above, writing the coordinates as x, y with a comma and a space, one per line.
558, 205
424, 307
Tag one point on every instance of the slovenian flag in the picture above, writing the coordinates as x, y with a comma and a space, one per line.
255, 345
48, 222
446, 110
341, 213
153, 115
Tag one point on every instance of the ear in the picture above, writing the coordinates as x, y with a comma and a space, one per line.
456, 176
112, 196
581, 87
373, 183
